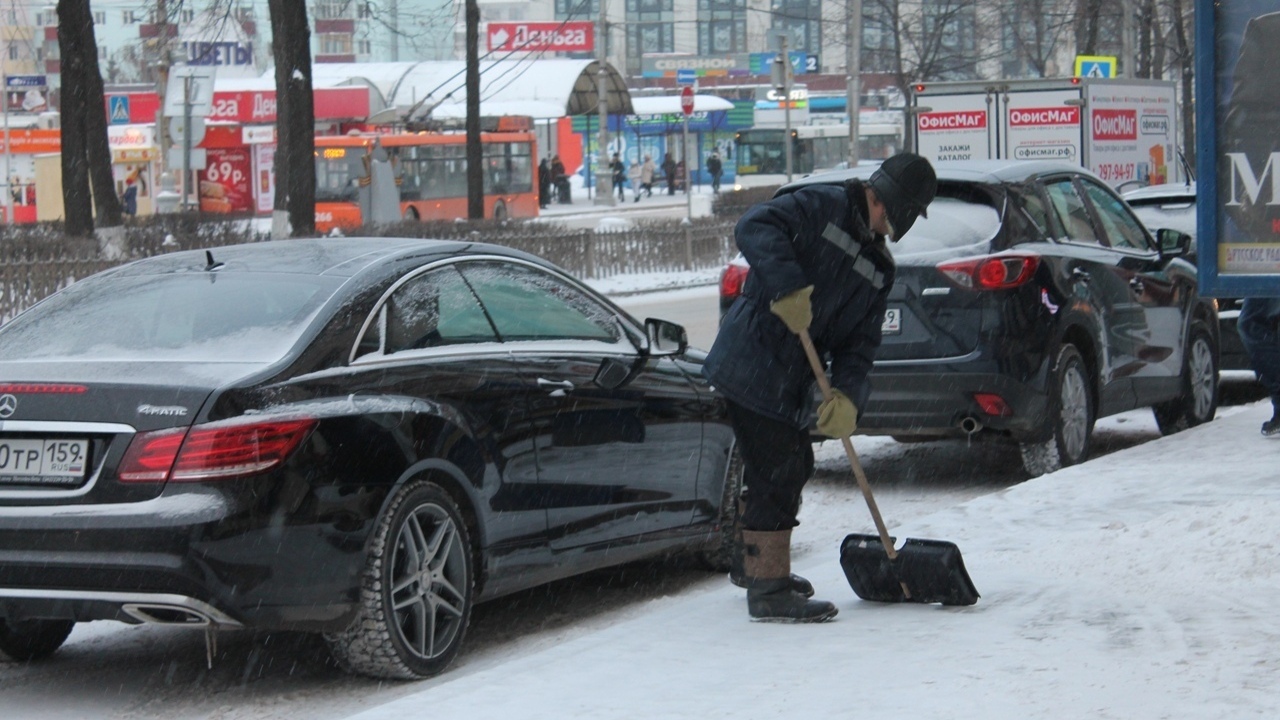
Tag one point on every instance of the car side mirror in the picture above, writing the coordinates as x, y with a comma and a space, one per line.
1173, 243
665, 338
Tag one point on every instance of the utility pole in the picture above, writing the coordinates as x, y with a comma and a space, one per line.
604, 174
853, 66
785, 58
1126, 41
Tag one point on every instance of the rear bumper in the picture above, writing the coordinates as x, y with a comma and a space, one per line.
196, 556
919, 402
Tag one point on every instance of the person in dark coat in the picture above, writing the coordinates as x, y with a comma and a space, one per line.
1248, 132
1259, 328
560, 180
129, 200
716, 169
619, 175
819, 262
544, 184
669, 170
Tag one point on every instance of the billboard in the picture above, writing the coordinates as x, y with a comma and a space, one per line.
569, 36
1237, 148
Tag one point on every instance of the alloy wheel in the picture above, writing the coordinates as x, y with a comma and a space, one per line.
1075, 412
429, 578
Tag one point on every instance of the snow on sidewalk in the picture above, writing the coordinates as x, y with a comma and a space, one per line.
1139, 585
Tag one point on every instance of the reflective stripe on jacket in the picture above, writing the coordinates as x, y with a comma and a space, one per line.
816, 235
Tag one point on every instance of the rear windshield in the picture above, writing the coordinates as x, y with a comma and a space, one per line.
232, 317
953, 224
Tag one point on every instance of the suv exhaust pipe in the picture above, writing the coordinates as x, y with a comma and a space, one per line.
970, 425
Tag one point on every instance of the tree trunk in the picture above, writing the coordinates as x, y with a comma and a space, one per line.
1186, 74
295, 117
475, 169
74, 23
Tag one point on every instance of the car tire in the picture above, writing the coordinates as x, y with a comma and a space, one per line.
1198, 402
719, 558
416, 592
1070, 421
28, 640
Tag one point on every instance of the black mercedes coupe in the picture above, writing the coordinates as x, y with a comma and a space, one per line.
355, 437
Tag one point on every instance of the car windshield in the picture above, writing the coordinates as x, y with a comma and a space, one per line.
209, 317
952, 224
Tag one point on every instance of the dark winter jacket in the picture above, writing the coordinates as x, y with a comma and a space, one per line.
816, 235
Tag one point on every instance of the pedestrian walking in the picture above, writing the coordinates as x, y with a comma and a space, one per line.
619, 175
647, 172
819, 263
129, 200
1259, 328
716, 169
634, 176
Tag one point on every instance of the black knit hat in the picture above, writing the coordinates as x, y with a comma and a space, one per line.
906, 185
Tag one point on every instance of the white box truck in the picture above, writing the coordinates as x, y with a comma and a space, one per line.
1124, 130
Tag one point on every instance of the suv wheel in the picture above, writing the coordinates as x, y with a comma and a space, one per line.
1198, 402
1070, 420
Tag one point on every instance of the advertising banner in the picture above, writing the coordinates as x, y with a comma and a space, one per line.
1042, 126
225, 182
572, 36
1132, 130
1238, 148
951, 129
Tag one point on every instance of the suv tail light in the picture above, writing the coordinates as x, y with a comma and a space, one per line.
991, 272
216, 451
731, 281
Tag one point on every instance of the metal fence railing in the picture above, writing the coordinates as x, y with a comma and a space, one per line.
36, 261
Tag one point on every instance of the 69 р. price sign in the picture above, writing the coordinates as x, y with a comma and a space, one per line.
225, 183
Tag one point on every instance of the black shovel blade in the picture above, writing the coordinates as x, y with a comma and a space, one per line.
931, 570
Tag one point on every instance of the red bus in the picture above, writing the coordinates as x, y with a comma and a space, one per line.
365, 176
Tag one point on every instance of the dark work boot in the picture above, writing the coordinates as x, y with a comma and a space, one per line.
770, 594
738, 576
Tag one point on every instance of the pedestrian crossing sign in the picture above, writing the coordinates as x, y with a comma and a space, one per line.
1095, 66
118, 109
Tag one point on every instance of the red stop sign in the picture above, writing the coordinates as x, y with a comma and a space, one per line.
686, 100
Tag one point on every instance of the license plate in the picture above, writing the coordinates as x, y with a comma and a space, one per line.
892, 324
43, 462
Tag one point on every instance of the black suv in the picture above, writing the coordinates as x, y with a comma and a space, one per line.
1028, 304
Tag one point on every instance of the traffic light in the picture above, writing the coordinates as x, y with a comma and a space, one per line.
780, 73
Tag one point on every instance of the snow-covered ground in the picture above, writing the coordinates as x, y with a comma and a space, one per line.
1138, 585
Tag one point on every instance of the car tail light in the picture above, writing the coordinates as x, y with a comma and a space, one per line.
991, 272
732, 280
212, 452
993, 405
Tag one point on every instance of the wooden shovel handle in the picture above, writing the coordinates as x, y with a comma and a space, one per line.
820, 374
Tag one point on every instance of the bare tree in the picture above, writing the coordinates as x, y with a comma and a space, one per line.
86, 155
935, 39
1035, 31
295, 119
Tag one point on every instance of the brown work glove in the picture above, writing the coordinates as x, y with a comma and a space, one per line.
837, 417
795, 309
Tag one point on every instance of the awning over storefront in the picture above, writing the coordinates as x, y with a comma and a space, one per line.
538, 88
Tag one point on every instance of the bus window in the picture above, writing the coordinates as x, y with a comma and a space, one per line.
338, 170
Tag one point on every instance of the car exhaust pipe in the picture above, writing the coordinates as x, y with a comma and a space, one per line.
167, 615
970, 425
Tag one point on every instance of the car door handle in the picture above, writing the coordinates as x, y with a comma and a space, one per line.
554, 384
1137, 285
1080, 274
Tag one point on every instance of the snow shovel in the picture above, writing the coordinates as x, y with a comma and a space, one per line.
923, 571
